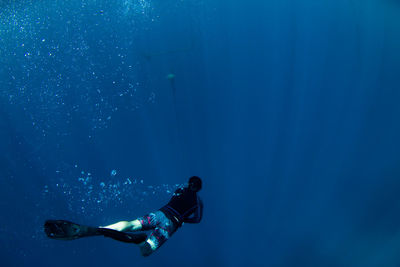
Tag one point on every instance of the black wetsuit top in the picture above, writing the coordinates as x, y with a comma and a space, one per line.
183, 204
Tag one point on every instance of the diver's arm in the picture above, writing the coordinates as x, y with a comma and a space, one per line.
201, 209
198, 214
125, 226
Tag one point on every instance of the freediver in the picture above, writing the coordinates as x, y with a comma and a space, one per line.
185, 206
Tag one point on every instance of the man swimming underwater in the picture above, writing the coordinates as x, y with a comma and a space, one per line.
185, 206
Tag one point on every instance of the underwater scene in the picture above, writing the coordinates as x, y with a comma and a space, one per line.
200, 133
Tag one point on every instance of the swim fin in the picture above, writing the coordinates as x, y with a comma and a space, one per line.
66, 230
123, 236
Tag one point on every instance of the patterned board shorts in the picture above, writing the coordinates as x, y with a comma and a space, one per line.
162, 227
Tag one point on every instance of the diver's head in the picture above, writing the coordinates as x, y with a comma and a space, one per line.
195, 183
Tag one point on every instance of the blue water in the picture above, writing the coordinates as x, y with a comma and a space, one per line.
288, 110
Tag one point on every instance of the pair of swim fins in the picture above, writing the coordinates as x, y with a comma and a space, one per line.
66, 230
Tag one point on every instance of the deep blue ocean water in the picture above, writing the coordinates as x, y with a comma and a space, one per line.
289, 111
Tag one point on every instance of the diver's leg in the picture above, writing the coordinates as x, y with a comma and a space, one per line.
153, 242
125, 226
158, 236
148, 221
144, 223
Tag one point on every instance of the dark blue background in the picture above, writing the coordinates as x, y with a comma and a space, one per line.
288, 110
